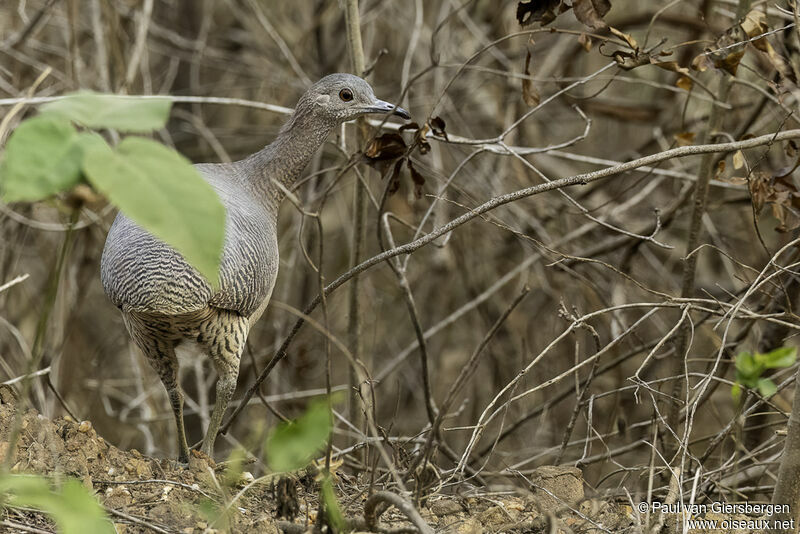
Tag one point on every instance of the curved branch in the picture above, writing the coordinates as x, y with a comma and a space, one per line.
578, 179
371, 513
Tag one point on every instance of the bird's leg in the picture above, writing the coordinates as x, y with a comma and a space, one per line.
161, 356
176, 400
224, 336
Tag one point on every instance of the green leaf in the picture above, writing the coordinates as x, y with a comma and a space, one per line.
160, 190
748, 369
332, 508
780, 357
767, 387
746, 364
292, 445
120, 112
736, 391
43, 157
73, 508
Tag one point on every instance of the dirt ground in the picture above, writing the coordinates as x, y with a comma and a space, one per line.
143, 494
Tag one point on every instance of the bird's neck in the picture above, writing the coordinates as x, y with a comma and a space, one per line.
283, 160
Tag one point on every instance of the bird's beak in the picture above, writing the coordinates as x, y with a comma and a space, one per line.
380, 106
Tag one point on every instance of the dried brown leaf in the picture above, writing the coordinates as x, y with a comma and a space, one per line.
738, 160
720, 169
735, 180
702, 62
438, 125
671, 66
729, 51
529, 94
625, 37
591, 12
685, 138
754, 23
394, 178
782, 195
585, 41
386, 147
685, 83
758, 190
418, 180
543, 11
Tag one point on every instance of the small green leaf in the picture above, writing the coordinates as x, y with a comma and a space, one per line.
292, 445
160, 190
736, 391
334, 512
780, 357
767, 387
73, 508
43, 157
119, 112
746, 364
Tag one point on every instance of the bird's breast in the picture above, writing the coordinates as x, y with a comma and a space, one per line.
250, 263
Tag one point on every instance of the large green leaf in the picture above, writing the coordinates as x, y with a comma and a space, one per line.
43, 157
73, 509
120, 112
160, 190
292, 445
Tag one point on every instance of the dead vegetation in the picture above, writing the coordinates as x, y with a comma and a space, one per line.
558, 265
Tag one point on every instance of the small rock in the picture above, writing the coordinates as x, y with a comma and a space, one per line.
555, 486
117, 497
246, 478
85, 427
7, 395
443, 507
469, 526
494, 517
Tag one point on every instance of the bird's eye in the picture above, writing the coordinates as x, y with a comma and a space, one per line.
346, 95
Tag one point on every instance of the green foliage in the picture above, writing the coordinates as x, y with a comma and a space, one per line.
292, 445
160, 190
118, 112
332, 508
750, 367
152, 184
43, 157
234, 468
214, 513
71, 506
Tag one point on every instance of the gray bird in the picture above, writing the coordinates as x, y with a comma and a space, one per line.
166, 302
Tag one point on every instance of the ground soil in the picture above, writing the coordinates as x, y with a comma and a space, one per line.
143, 494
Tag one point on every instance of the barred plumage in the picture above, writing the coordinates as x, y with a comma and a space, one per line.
165, 301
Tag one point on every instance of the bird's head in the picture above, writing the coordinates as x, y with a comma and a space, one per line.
343, 97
